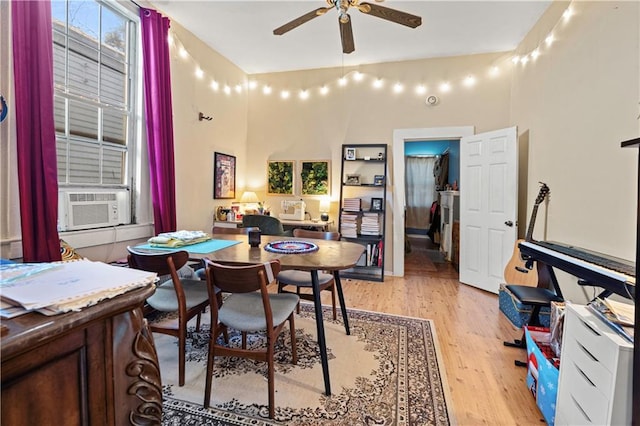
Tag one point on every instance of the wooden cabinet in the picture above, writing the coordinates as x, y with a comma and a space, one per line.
594, 387
363, 204
98, 367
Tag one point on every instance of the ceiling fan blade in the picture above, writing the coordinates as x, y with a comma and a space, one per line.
346, 35
301, 20
392, 15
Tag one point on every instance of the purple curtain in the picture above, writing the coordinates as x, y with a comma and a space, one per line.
159, 118
35, 129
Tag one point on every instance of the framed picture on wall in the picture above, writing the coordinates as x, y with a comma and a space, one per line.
314, 177
224, 176
280, 177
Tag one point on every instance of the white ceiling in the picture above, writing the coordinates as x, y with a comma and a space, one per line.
242, 31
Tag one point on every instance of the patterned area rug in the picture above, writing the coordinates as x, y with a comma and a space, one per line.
387, 372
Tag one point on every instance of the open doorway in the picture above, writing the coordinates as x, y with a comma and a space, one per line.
431, 166
402, 138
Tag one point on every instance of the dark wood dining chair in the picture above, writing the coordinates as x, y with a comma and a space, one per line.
248, 308
302, 279
188, 297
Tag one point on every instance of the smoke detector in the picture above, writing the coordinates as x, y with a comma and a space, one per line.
431, 100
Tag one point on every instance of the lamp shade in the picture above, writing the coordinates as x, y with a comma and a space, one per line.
325, 205
249, 197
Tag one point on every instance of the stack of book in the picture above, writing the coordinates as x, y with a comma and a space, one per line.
349, 225
619, 316
370, 224
54, 288
351, 204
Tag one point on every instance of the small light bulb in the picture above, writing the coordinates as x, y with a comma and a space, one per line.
567, 14
421, 89
494, 71
470, 81
238, 88
397, 88
266, 90
378, 83
342, 81
284, 94
199, 72
227, 89
304, 94
445, 87
253, 84
549, 40
535, 54
214, 85
524, 60
515, 59
182, 52
358, 76
324, 90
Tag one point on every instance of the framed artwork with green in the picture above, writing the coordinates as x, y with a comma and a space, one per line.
315, 177
280, 177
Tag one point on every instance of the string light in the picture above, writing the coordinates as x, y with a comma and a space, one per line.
377, 82
469, 81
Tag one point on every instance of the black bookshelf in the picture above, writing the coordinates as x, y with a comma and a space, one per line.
635, 413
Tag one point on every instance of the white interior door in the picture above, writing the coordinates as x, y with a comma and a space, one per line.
488, 206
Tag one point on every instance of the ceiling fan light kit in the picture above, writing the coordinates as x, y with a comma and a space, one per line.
344, 19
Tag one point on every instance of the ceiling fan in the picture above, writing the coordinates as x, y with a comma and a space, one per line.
344, 20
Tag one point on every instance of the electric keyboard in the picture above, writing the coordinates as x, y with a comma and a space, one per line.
613, 274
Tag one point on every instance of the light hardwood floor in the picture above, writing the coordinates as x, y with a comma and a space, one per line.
484, 384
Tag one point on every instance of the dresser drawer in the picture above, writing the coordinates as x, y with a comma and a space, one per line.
585, 331
584, 396
594, 371
571, 414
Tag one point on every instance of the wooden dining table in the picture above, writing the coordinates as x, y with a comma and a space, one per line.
331, 256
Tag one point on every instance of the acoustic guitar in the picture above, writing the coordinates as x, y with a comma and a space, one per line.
518, 271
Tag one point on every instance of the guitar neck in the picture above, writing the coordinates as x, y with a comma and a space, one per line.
532, 222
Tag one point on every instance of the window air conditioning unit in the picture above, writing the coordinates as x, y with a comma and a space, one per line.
93, 209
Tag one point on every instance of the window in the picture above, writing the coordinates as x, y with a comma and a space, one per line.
95, 85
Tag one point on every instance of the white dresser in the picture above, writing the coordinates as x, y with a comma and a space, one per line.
596, 370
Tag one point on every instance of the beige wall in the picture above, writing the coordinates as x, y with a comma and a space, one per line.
196, 141
295, 129
575, 105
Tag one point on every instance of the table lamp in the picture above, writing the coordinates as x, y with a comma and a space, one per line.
325, 205
249, 197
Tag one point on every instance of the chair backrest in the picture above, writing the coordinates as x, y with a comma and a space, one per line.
233, 231
268, 225
241, 278
160, 263
319, 235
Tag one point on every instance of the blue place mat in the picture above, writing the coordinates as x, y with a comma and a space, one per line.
198, 248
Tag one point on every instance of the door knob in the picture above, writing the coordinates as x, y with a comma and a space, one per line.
509, 223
